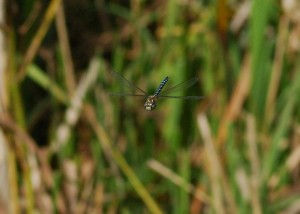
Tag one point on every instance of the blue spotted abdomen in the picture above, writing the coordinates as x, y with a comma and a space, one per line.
161, 85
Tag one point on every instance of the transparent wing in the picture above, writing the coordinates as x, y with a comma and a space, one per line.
179, 87
126, 82
181, 97
125, 95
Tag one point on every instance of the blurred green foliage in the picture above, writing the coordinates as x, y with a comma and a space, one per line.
245, 55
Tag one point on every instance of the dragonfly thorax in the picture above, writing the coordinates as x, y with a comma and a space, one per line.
150, 103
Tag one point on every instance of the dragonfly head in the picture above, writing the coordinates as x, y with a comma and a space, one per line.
150, 103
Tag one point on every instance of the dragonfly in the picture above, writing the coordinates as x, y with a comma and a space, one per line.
151, 100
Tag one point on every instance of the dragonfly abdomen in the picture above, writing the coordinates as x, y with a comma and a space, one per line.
161, 85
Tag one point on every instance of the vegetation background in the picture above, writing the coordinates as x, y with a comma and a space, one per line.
67, 146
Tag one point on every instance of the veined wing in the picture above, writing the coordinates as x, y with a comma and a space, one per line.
125, 94
181, 97
127, 82
179, 87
